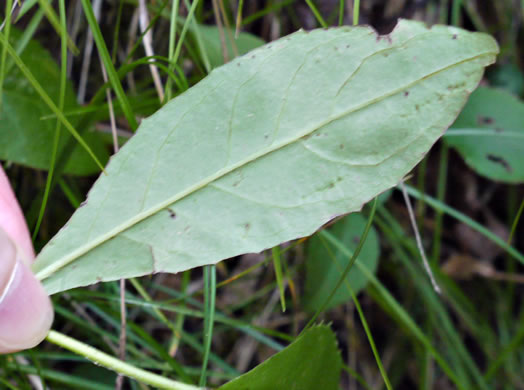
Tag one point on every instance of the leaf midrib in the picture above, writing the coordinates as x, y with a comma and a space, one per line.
483, 132
82, 250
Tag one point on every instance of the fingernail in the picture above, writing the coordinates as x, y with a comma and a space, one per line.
26, 313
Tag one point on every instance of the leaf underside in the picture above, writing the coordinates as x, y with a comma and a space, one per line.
268, 148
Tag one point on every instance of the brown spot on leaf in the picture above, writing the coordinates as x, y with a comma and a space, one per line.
454, 36
501, 161
484, 120
341, 146
406, 93
456, 86
247, 226
172, 214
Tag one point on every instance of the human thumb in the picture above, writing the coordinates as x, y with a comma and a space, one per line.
26, 313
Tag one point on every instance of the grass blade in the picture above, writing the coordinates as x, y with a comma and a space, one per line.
209, 316
106, 59
45, 97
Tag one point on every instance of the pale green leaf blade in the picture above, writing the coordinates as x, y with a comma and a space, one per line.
311, 362
267, 149
489, 135
325, 263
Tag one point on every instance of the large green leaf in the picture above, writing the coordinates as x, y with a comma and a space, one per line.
509, 77
267, 149
26, 138
324, 263
311, 362
489, 135
211, 39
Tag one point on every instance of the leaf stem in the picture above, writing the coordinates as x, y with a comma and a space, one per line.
210, 284
100, 358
